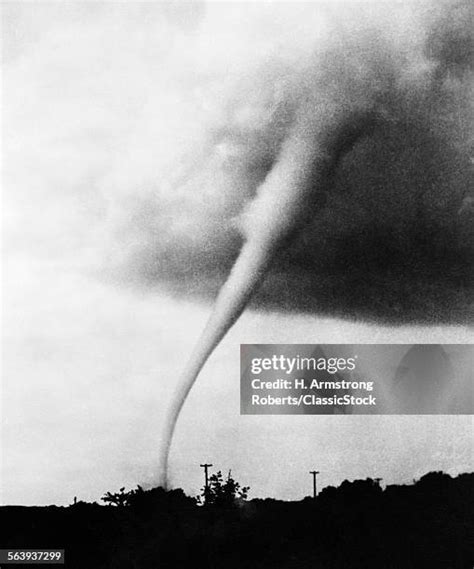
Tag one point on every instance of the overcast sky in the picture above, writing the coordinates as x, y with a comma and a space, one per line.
91, 358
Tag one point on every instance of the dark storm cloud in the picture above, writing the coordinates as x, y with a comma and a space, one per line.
388, 237
148, 130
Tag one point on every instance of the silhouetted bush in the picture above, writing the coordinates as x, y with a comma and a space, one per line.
155, 499
224, 493
158, 499
120, 498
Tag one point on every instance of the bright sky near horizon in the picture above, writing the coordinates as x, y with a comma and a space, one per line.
88, 373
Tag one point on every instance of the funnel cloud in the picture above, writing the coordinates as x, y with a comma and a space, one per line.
380, 122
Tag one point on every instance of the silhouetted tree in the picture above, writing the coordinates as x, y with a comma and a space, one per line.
224, 493
119, 499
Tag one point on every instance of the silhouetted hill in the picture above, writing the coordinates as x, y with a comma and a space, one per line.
357, 525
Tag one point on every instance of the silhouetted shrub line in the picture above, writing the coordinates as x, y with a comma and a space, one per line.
358, 525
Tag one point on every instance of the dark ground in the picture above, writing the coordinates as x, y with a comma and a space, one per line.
357, 525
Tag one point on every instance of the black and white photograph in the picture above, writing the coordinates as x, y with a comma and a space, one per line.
237, 284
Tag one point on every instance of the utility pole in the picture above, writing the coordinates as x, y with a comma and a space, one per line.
314, 473
206, 477
378, 480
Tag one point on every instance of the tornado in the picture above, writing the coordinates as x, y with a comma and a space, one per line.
285, 202
337, 103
